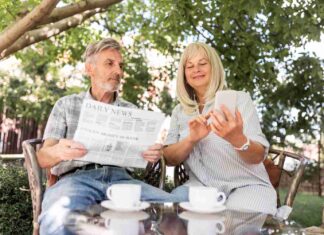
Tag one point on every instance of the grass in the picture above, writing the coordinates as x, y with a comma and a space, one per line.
307, 209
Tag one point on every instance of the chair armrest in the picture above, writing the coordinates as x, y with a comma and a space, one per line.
35, 177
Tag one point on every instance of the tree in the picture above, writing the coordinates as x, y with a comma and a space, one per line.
44, 21
254, 38
33, 95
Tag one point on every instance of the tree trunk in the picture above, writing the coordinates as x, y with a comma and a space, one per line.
319, 164
46, 21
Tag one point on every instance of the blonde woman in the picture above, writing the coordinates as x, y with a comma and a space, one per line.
223, 151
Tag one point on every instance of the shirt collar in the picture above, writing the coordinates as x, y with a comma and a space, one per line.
116, 101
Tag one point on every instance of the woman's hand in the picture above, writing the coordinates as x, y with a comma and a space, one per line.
228, 127
198, 128
176, 153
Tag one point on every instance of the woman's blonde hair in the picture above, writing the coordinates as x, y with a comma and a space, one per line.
185, 92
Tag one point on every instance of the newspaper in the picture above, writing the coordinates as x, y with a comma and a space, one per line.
116, 135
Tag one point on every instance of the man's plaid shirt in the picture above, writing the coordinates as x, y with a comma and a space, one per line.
63, 121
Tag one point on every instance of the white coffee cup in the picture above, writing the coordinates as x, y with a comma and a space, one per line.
205, 197
205, 227
122, 226
226, 98
124, 195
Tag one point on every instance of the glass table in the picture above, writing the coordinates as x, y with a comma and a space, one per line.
171, 219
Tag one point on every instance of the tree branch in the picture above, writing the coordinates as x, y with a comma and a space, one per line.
76, 8
106, 24
44, 22
13, 32
48, 31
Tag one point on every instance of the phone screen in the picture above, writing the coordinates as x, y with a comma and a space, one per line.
226, 98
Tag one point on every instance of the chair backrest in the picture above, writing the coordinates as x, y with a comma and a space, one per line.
290, 164
155, 174
279, 162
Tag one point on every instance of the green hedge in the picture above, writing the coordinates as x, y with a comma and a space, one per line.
15, 202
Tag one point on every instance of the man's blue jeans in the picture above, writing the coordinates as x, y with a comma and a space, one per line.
83, 188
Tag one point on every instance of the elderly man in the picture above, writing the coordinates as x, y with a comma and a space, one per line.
82, 184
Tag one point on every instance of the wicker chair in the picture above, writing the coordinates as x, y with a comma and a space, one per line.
154, 174
275, 166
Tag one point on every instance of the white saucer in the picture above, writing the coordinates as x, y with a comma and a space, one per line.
208, 210
188, 215
134, 215
110, 205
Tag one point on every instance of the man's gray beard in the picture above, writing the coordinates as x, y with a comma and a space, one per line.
110, 88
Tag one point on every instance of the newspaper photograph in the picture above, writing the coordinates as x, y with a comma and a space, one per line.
116, 135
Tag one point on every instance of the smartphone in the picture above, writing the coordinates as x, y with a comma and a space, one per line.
226, 98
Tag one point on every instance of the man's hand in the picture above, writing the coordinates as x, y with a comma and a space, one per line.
198, 128
67, 149
54, 151
153, 154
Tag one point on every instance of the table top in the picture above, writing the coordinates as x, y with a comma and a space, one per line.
169, 218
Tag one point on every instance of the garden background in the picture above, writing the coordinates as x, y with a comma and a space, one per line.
263, 46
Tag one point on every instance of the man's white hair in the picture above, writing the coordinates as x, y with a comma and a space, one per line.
95, 48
